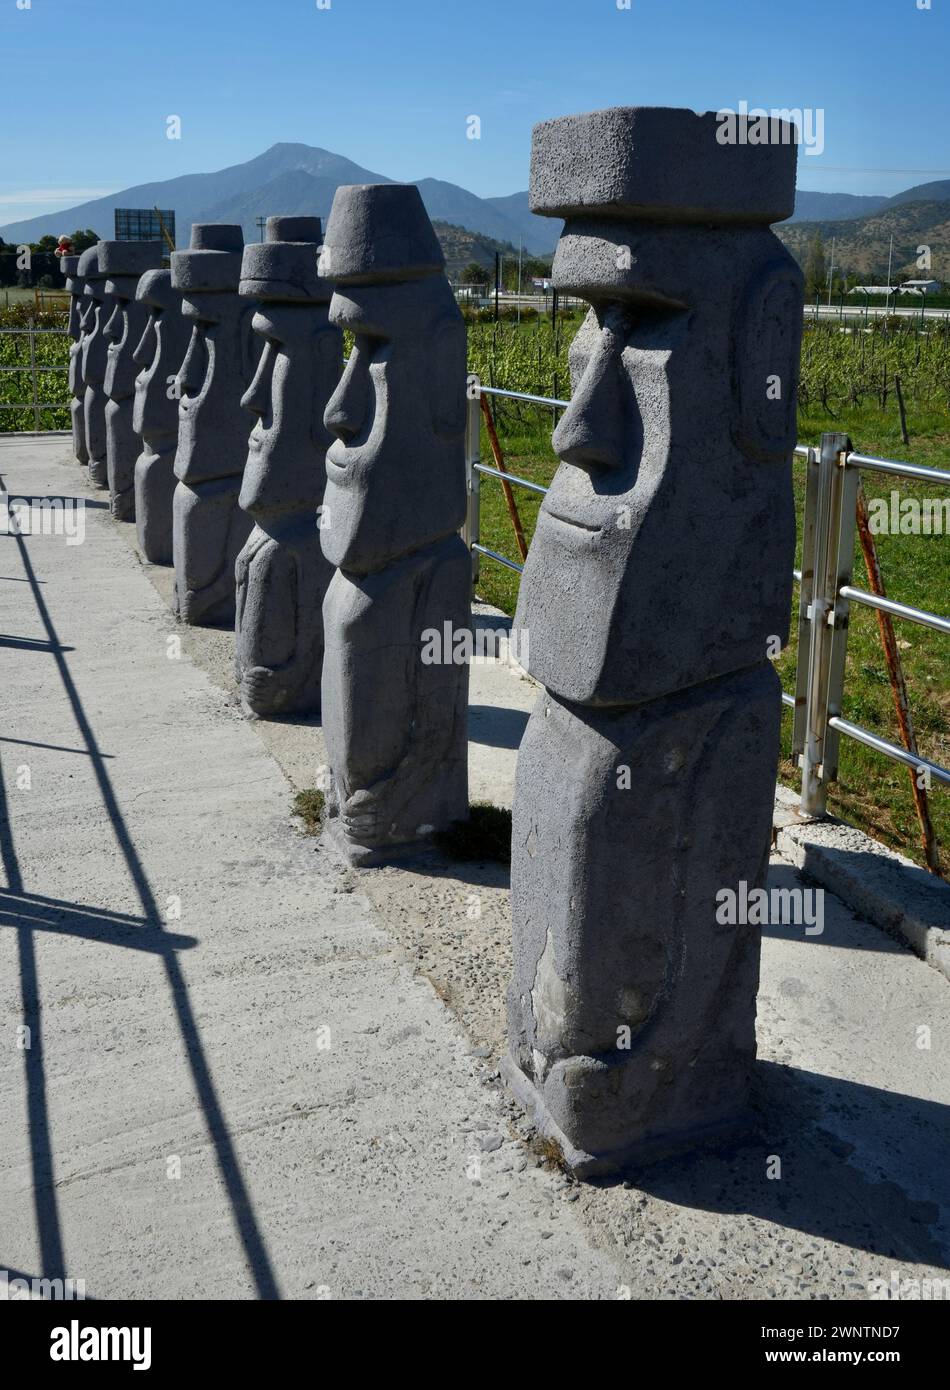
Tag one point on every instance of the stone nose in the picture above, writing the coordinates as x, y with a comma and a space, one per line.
346, 410
145, 347
191, 374
113, 328
590, 432
257, 396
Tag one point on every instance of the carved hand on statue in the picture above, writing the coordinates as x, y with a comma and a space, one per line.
359, 816
256, 683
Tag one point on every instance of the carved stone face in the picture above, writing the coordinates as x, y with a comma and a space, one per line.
121, 369
395, 473
95, 346
155, 414
298, 368
663, 549
74, 326
212, 431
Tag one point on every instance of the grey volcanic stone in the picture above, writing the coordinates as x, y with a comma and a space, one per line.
93, 362
605, 163
657, 582
75, 283
614, 881
282, 575
123, 263
159, 355
395, 723
209, 526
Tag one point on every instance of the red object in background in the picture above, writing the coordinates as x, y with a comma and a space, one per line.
65, 247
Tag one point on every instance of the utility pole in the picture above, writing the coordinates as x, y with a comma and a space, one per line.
262, 226
831, 271
497, 274
520, 250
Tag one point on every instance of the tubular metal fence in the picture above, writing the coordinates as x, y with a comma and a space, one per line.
825, 594
34, 368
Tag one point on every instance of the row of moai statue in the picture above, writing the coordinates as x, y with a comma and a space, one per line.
655, 587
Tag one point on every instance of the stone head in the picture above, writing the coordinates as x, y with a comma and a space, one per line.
93, 279
219, 359
299, 367
122, 263
395, 471
156, 408
69, 266
664, 546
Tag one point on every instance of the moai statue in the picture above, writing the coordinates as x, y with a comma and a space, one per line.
282, 574
69, 265
656, 587
209, 526
123, 263
159, 355
394, 701
94, 361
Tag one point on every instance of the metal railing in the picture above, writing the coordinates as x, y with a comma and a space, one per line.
34, 368
825, 593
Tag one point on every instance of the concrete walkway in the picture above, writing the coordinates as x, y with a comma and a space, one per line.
247, 1073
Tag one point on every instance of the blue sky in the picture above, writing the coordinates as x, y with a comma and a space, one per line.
88, 84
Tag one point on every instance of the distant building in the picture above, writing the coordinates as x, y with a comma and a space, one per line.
920, 287
874, 289
144, 224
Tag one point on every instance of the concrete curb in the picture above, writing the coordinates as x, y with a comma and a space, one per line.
880, 885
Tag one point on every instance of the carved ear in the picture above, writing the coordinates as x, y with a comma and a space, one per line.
767, 345
448, 344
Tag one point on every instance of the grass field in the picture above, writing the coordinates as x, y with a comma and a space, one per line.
872, 792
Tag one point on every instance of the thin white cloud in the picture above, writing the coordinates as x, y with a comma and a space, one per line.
51, 195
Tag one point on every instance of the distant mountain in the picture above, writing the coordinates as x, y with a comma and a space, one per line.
936, 192
836, 207
539, 233
293, 178
461, 247
862, 244
194, 196
287, 178
831, 207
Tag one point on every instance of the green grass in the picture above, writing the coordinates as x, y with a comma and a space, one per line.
309, 806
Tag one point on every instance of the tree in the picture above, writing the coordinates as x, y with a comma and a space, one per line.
816, 272
83, 240
475, 274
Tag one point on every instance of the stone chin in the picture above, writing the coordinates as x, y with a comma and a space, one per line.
567, 620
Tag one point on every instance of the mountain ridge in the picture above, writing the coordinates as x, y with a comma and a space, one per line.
295, 178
